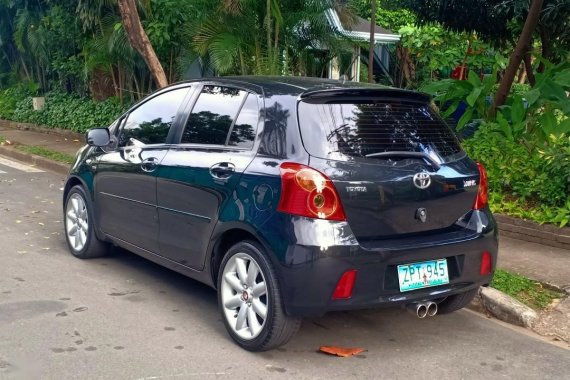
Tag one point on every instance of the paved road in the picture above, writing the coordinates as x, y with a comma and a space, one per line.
125, 318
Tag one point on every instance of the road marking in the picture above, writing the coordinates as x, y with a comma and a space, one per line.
19, 166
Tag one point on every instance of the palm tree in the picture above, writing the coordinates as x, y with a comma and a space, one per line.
229, 33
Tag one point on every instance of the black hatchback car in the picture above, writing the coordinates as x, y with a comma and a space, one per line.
291, 196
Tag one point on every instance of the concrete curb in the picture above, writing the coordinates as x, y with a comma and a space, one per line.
526, 230
504, 307
34, 160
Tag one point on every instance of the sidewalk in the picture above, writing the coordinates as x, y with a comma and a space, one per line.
68, 144
539, 262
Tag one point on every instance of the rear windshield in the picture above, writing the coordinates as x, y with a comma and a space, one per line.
353, 129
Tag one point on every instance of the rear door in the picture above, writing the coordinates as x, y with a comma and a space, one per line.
198, 176
125, 181
399, 170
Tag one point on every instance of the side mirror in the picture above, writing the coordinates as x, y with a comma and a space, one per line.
99, 137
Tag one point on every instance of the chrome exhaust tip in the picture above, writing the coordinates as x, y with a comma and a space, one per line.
431, 309
420, 310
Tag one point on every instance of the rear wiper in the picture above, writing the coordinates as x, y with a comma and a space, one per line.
402, 154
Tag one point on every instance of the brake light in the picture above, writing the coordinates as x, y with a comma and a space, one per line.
307, 192
345, 285
483, 190
486, 264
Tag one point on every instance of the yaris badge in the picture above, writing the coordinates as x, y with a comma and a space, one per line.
422, 180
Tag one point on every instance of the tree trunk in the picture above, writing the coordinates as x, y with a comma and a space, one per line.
522, 74
546, 41
268, 26
517, 55
464, 63
528, 67
371, 46
139, 40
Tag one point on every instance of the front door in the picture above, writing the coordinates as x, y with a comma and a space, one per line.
125, 180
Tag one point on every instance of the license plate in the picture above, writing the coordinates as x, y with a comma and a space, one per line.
423, 275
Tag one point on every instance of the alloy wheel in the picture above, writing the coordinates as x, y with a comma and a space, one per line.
244, 296
76, 222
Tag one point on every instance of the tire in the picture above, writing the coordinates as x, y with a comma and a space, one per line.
456, 301
250, 297
79, 227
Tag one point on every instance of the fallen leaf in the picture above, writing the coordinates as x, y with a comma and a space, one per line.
18, 221
41, 224
8, 142
75, 140
341, 351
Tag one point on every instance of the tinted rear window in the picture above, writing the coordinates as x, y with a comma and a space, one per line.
360, 129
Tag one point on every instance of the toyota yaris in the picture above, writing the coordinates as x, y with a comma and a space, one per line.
290, 196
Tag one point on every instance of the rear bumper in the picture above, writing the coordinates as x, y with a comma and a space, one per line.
310, 272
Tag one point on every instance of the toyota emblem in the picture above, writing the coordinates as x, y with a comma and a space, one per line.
422, 180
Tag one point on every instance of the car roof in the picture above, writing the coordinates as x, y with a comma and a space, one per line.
310, 86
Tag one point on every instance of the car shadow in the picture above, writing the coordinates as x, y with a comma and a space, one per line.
371, 329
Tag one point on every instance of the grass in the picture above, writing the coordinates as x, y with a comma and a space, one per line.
47, 153
2, 139
531, 293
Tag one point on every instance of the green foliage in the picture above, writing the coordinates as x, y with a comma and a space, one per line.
433, 48
436, 52
531, 293
10, 97
540, 112
47, 153
449, 93
388, 14
68, 112
525, 181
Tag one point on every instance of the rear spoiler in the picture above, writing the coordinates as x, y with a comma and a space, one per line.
321, 95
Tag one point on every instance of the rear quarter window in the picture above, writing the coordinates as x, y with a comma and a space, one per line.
352, 129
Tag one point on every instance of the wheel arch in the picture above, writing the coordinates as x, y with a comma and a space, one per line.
228, 235
73, 181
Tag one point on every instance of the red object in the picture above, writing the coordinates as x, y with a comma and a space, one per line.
345, 285
456, 73
343, 352
308, 192
483, 190
486, 264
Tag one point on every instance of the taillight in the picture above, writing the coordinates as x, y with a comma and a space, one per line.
343, 289
486, 264
483, 190
307, 192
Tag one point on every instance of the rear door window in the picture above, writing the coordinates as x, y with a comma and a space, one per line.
361, 129
243, 132
222, 116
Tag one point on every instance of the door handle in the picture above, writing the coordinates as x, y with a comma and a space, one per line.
149, 164
222, 170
